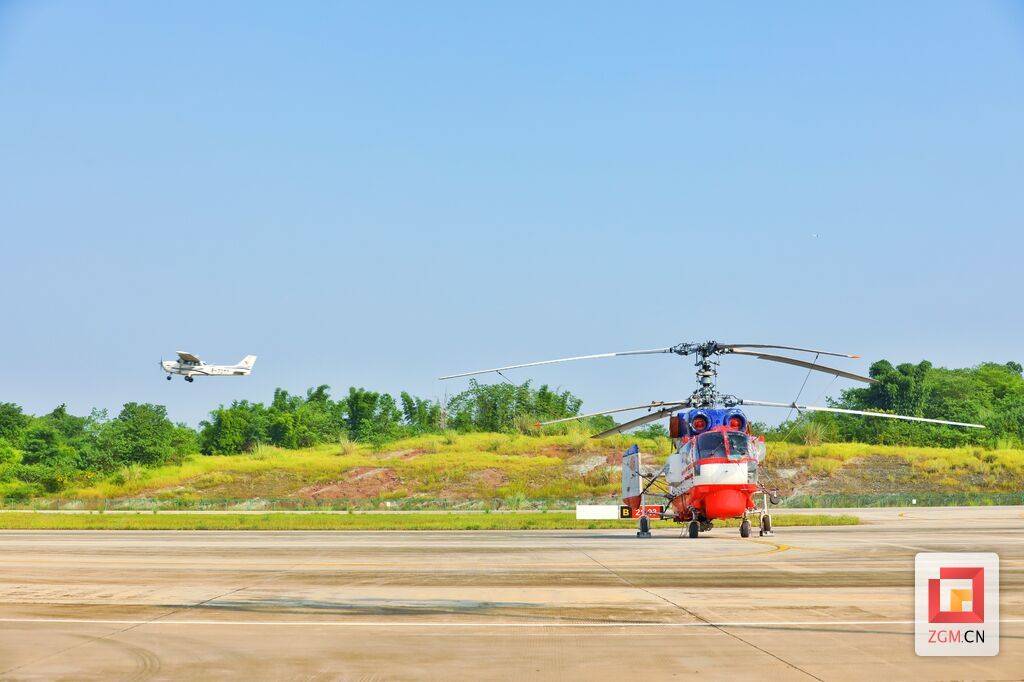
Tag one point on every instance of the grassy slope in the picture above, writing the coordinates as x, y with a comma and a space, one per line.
465, 469
286, 521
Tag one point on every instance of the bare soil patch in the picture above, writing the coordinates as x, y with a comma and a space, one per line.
358, 484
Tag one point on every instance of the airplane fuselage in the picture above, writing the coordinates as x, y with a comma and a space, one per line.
189, 369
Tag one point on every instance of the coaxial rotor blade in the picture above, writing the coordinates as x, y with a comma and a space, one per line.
551, 362
732, 346
816, 408
808, 365
648, 406
640, 421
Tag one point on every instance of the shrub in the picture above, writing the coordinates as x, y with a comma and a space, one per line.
141, 434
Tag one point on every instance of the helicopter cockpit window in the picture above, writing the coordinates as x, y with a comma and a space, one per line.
711, 445
738, 445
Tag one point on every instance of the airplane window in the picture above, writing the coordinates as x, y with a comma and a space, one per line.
738, 445
711, 445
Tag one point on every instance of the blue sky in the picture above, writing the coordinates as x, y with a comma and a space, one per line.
376, 194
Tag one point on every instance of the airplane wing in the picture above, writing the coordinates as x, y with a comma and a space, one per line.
189, 358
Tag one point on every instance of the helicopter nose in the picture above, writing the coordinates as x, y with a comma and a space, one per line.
725, 503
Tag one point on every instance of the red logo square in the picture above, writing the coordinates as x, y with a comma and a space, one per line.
977, 596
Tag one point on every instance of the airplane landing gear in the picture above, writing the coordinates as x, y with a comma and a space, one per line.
693, 529
168, 377
766, 525
645, 528
745, 528
188, 379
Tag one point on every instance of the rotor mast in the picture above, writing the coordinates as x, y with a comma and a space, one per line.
706, 394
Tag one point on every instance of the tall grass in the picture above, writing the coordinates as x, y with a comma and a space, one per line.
489, 466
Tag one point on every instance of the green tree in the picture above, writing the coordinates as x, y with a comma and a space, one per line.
652, 431
184, 442
372, 416
10, 458
234, 429
47, 458
500, 407
12, 422
420, 414
141, 434
991, 394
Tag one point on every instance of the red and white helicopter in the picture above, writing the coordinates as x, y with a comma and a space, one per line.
713, 471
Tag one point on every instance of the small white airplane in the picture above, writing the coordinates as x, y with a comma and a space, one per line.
191, 366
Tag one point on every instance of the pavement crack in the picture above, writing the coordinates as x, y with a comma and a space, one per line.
696, 616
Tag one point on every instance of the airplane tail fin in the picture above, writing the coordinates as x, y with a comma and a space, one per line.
247, 362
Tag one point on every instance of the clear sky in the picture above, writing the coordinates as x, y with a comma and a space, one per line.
379, 193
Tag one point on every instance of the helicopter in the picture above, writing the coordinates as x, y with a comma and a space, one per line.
712, 472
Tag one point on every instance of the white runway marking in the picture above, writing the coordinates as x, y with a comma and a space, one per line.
447, 624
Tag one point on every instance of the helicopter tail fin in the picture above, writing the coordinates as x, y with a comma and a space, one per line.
631, 481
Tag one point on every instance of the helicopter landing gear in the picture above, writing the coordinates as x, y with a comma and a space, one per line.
645, 528
765, 522
745, 528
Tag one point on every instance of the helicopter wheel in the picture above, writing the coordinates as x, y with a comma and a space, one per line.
766, 525
693, 529
745, 528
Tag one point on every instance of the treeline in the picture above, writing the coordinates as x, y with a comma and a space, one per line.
990, 394
50, 451
46, 453
295, 421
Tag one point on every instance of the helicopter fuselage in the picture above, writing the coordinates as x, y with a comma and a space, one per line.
713, 472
